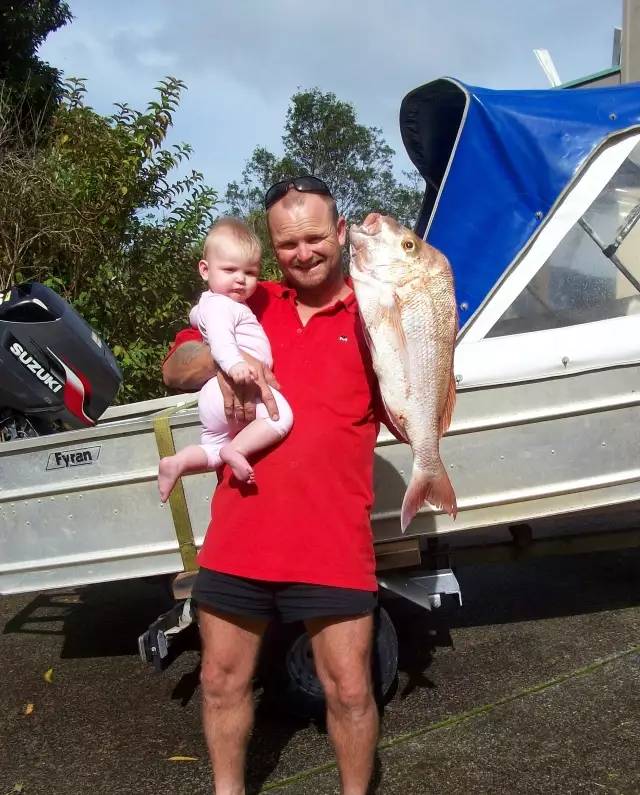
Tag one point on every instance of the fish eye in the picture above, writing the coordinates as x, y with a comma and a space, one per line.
408, 245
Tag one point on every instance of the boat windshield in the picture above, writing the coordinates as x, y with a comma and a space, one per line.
594, 273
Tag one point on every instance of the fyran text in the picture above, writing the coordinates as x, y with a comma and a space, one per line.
35, 367
63, 459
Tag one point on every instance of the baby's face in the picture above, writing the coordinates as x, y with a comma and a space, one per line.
229, 272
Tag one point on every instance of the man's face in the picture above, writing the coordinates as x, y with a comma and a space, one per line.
307, 240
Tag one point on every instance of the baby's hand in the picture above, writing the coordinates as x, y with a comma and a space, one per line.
242, 373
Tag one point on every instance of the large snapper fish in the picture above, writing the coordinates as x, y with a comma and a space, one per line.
404, 290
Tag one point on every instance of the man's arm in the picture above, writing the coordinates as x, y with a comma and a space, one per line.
191, 365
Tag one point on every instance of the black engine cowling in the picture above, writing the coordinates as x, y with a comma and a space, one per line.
55, 371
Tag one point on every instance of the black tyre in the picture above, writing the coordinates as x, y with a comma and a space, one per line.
287, 672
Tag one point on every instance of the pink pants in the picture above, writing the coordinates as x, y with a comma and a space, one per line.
217, 430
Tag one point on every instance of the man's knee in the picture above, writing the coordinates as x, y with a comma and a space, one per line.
348, 691
342, 651
224, 684
227, 664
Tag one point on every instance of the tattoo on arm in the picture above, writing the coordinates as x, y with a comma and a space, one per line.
187, 352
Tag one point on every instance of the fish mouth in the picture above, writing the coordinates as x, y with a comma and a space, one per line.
362, 237
370, 227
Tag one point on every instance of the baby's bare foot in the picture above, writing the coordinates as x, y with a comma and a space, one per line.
168, 473
238, 463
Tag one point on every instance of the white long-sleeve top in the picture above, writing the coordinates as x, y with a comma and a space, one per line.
228, 326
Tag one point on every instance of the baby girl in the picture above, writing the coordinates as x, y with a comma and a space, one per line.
230, 265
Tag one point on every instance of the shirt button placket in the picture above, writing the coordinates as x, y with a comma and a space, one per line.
302, 346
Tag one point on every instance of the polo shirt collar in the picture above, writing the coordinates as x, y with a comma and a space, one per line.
283, 290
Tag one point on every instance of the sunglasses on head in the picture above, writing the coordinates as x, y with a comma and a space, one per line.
303, 184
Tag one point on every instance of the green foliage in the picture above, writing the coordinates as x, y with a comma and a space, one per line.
323, 137
94, 214
29, 86
91, 205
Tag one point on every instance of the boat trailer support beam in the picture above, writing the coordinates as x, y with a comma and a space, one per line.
155, 645
426, 585
423, 587
424, 581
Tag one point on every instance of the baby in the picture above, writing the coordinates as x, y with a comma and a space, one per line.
230, 265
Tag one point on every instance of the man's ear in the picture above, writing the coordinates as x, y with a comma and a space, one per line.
341, 229
203, 267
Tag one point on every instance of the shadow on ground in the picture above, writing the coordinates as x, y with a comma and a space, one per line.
105, 622
269, 740
94, 621
538, 590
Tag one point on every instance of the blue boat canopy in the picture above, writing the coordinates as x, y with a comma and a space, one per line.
495, 162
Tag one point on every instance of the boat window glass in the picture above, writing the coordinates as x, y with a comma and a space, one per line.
629, 251
594, 274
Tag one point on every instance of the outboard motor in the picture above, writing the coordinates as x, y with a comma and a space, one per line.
55, 371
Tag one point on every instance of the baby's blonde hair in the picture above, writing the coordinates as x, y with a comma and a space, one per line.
240, 234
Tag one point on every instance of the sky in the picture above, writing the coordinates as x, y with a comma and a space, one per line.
243, 59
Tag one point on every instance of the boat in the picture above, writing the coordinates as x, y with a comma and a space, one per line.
534, 197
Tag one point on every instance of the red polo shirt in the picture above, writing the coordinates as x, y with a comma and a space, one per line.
307, 518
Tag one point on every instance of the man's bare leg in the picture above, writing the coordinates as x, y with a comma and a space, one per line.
256, 436
342, 656
230, 646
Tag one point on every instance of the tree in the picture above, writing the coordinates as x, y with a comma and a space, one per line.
27, 84
323, 137
93, 213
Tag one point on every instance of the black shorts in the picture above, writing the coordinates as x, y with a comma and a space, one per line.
287, 601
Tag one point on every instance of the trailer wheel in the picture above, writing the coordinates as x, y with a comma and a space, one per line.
287, 671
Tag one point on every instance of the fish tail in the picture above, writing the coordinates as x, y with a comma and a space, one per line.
435, 489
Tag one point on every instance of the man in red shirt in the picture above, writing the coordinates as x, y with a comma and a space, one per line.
298, 543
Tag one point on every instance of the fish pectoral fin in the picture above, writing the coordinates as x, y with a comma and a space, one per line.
445, 420
388, 312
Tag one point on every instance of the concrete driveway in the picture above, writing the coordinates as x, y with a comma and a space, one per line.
531, 687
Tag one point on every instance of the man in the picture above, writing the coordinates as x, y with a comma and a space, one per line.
297, 544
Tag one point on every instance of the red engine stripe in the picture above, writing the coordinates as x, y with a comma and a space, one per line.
74, 393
